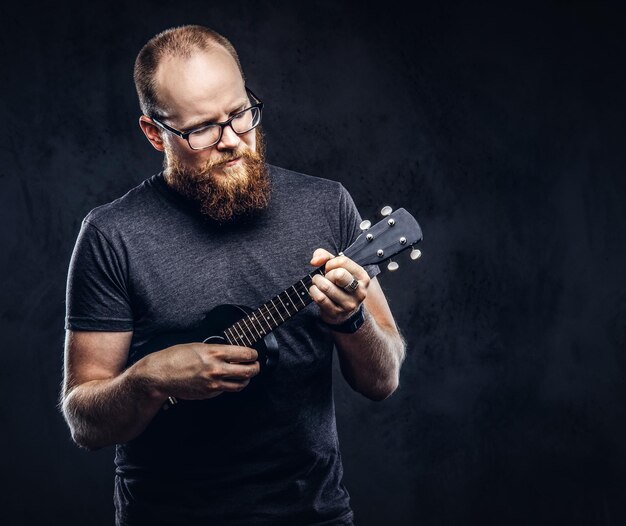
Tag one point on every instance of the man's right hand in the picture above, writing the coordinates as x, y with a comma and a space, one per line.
105, 402
197, 371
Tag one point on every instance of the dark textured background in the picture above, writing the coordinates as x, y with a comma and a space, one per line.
502, 128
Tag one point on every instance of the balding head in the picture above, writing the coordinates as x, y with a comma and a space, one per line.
176, 43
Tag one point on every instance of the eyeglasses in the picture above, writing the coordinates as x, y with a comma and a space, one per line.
208, 135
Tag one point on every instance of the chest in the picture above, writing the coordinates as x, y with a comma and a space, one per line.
178, 274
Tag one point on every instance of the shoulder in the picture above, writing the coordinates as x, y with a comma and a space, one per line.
322, 197
291, 181
127, 209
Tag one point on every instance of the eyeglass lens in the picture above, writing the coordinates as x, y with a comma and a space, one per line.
241, 123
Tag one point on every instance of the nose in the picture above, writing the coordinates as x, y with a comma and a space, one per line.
229, 140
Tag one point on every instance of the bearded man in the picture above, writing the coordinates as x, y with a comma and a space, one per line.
218, 225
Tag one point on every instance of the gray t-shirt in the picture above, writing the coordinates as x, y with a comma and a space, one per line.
150, 263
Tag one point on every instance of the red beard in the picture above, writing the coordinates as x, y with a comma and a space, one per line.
240, 190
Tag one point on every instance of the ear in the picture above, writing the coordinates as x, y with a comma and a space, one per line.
152, 132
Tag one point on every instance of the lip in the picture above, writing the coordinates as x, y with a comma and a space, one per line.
233, 162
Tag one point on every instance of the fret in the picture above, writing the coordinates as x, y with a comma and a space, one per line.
297, 299
254, 318
251, 320
270, 316
236, 338
281, 302
281, 316
245, 324
289, 304
248, 328
243, 340
306, 289
228, 338
298, 295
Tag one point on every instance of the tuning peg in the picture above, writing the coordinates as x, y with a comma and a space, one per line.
386, 210
365, 224
392, 266
416, 253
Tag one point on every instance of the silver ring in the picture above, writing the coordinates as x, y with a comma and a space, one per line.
352, 286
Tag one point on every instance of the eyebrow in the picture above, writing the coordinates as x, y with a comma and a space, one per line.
199, 122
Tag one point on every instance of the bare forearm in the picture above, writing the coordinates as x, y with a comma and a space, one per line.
111, 411
371, 358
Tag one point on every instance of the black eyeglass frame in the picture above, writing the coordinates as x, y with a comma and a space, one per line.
185, 134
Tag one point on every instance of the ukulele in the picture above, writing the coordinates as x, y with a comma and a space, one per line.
241, 325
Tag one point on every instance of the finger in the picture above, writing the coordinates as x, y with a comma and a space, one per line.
232, 386
344, 300
237, 371
324, 302
237, 354
320, 256
340, 277
353, 268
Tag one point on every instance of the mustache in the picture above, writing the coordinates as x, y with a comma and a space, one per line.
236, 154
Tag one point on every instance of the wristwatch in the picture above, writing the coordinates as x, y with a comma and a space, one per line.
351, 325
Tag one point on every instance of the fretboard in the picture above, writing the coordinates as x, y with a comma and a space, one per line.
253, 327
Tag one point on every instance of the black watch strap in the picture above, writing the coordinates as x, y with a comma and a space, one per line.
351, 325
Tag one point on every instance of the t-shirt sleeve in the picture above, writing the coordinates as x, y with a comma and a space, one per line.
97, 290
350, 220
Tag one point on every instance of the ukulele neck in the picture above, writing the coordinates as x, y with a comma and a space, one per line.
260, 322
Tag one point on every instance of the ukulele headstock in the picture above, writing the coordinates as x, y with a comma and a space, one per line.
396, 232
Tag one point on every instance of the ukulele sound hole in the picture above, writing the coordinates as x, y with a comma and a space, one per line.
216, 339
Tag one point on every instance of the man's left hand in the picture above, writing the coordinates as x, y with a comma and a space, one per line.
331, 292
